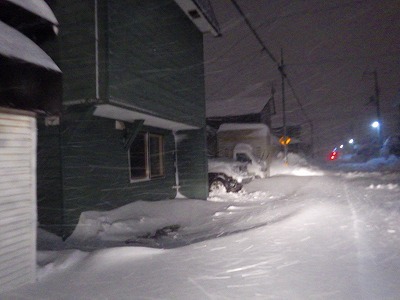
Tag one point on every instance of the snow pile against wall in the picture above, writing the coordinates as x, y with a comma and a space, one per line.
142, 222
285, 237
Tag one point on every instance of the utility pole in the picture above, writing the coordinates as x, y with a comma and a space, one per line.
282, 71
280, 65
378, 110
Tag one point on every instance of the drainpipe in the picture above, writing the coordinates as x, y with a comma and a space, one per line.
96, 36
177, 186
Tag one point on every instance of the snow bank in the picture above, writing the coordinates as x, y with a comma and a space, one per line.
174, 223
381, 164
296, 166
234, 169
285, 237
48, 241
138, 220
390, 186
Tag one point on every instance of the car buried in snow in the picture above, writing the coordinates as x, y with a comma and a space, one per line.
225, 175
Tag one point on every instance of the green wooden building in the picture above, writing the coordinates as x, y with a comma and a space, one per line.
133, 120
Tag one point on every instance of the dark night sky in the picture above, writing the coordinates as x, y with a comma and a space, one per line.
330, 50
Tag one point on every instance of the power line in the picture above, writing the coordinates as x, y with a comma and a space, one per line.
279, 65
312, 12
255, 33
347, 60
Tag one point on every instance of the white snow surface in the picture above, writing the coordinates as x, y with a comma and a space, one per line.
229, 167
16, 45
329, 234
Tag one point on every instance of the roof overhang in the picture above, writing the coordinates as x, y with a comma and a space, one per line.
128, 115
33, 18
14, 44
37, 7
201, 14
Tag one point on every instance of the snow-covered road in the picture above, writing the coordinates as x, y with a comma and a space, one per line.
331, 236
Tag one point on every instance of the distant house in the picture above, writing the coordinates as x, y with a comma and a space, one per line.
252, 110
133, 120
30, 85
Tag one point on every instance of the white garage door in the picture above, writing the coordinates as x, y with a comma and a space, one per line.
17, 199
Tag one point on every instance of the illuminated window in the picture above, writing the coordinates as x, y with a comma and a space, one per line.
146, 157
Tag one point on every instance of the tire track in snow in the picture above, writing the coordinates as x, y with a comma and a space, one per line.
363, 250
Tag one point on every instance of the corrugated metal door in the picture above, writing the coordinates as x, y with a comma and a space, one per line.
17, 200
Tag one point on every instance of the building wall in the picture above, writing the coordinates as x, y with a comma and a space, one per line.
49, 177
95, 167
150, 56
150, 59
74, 49
17, 198
192, 163
156, 60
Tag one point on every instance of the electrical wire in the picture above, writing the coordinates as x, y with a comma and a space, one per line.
279, 65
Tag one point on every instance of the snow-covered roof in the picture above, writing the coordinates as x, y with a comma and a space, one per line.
243, 126
229, 107
37, 7
14, 44
131, 114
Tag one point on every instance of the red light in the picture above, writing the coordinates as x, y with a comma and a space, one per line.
334, 155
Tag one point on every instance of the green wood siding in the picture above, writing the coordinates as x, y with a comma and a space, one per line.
151, 59
150, 56
192, 164
49, 178
76, 46
96, 167
156, 60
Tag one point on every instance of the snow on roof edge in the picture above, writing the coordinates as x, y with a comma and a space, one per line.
14, 44
243, 126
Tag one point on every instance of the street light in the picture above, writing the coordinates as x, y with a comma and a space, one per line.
375, 124
375, 99
351, 141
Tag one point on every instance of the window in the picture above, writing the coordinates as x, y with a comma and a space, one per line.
243, 157
156, 155
146, 157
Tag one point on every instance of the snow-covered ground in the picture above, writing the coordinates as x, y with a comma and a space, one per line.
331, 232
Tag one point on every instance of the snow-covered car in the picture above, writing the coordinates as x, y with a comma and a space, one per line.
255, 166
227, 175
219, 182
391, 146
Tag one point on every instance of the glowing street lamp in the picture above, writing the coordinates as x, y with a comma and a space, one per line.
341, 146
375, 124
351, 141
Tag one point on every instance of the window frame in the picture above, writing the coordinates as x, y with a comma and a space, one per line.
147, 151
